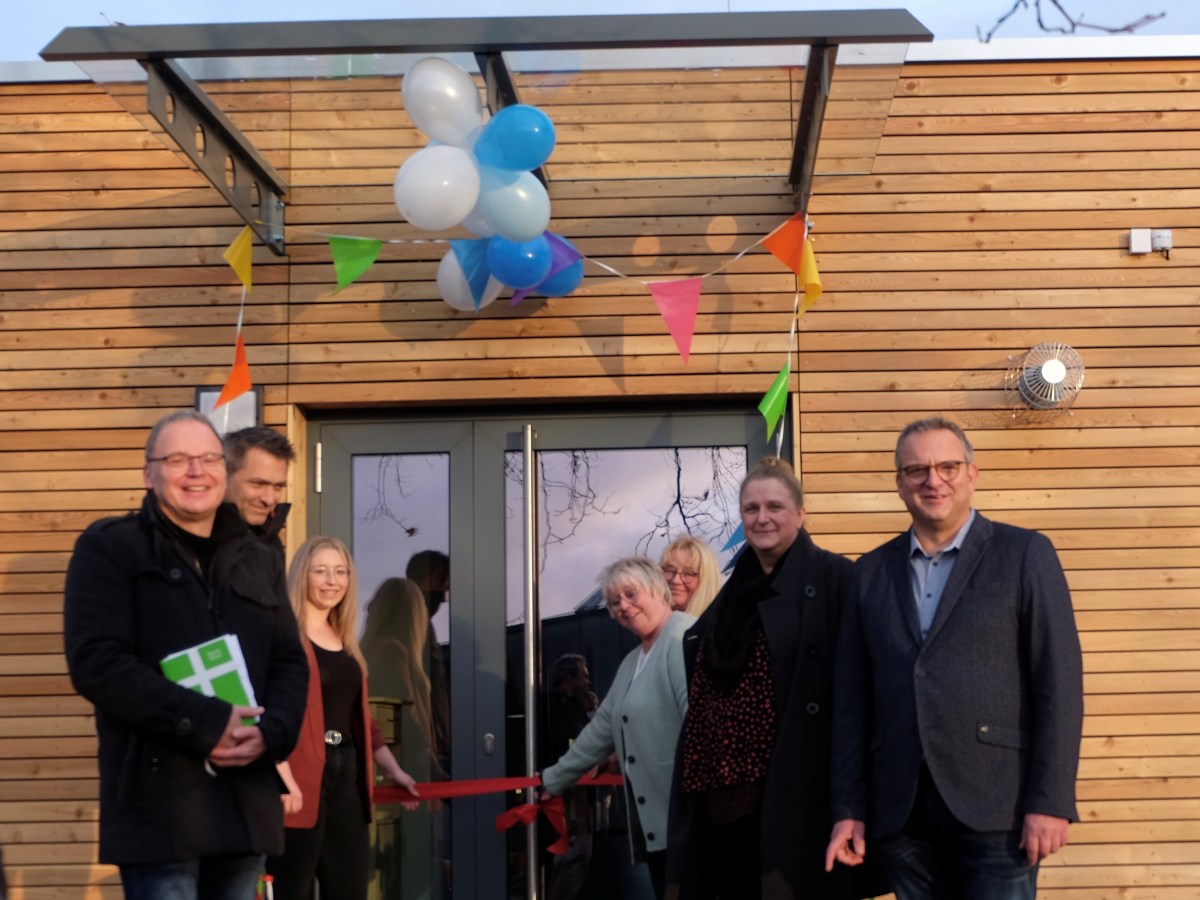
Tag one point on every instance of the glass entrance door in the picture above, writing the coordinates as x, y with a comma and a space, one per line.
432, 510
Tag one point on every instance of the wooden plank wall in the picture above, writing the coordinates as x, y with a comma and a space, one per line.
993, 217
997, 217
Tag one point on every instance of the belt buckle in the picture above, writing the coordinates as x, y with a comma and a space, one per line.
333, 738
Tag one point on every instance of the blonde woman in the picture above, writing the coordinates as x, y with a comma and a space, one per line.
330, 773
692, 573
395, 644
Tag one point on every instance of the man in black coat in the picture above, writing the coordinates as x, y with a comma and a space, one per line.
189, 797
959, 692
256, 460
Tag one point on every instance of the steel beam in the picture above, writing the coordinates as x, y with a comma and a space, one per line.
818, 77
224, 155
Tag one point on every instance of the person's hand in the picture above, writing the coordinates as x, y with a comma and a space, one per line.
240, 744
847, 844
1042, 835
293, 802
593, 702
406, 781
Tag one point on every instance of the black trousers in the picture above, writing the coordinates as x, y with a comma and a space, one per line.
336, 851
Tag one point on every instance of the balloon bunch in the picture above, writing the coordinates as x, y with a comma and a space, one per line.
481, 176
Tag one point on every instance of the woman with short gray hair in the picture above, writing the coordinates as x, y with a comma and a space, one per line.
641, 716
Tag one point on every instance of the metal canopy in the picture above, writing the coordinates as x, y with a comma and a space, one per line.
154, 46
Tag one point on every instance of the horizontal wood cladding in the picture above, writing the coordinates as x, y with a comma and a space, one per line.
962, 213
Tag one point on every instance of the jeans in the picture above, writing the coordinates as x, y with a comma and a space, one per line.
936, 857
208, 878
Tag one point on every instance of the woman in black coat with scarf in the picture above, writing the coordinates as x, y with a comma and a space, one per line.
750, 800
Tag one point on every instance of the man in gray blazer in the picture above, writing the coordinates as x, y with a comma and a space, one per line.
958, 703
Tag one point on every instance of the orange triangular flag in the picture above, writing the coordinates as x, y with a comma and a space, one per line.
238, 381
786, 242
238, 255
678, 302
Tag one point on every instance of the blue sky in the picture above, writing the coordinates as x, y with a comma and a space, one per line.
25, 34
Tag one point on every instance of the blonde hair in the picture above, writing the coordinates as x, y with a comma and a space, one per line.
344, 617
704, 561
396, 635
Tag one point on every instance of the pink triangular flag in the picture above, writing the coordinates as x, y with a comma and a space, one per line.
678, 302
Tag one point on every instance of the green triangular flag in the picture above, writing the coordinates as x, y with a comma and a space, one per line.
352, 256
774, 400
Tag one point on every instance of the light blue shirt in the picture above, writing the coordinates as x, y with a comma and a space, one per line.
929, 573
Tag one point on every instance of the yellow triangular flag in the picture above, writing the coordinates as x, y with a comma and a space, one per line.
810, 278
238, 255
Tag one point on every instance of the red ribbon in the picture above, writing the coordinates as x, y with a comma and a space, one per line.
524, 814
556, 815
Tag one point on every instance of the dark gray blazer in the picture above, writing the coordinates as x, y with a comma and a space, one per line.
992, 700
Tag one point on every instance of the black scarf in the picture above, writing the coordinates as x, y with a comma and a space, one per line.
732, 633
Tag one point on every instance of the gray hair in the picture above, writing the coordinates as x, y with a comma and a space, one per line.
934, 423
183, 415
639, 570
260, 437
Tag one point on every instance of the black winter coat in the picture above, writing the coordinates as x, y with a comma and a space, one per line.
800, 617
135, 594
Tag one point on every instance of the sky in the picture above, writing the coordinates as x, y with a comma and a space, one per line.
25, 34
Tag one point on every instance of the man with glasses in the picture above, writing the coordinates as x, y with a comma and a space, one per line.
958, 696
189, 797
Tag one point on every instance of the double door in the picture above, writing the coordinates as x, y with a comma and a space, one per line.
478, 542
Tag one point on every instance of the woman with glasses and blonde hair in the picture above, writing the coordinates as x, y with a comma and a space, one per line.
330, 775
692, 574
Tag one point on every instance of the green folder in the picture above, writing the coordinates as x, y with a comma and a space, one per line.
215, 668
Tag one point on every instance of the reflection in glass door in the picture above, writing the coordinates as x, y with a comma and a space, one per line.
401, 536
448, 675
594, 507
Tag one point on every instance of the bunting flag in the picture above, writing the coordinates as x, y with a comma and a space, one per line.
738, 537
238, 381
472, 258
773, 401
810, 278
678, 302
787, 242
352, 256
238, 255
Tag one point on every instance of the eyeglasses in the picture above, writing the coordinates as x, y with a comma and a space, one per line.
947, 471
670, 572
183, 460
629, 593
341, 573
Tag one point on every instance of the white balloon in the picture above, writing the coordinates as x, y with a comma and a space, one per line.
455, 289
515, 205
476, 222
437, 187
442, 100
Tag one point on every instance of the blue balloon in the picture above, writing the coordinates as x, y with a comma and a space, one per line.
522, 264
518, 138
563, 281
